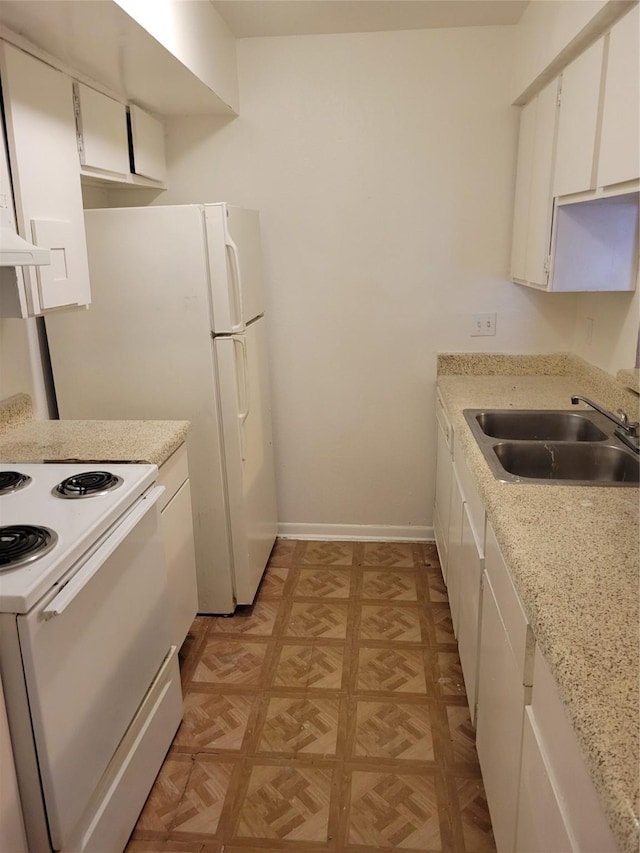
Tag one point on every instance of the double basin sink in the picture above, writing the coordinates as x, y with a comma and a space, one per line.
548, 446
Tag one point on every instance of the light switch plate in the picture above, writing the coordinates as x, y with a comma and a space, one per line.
483, 324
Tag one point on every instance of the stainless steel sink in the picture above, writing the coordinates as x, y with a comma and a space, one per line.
595, 463
539, 425
553, 446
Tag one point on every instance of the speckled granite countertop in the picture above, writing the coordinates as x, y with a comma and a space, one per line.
573, 553
25, 440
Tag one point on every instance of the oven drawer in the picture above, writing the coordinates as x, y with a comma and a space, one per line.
90, 652
130, 776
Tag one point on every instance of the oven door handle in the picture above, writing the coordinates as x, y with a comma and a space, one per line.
94, 563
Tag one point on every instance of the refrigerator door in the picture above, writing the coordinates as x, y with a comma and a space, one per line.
246, 422
233, 238
143, 351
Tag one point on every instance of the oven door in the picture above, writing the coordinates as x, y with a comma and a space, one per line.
90, 652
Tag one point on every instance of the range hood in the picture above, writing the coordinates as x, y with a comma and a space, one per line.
16, 252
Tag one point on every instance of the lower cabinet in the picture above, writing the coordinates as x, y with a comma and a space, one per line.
472, 566
176, 530
539, 789
558, 808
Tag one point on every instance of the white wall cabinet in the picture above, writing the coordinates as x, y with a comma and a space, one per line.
619, 158
533, 199
578, 123
147, 144
41, 134
572, 234
176, 531
116, 144
103, 141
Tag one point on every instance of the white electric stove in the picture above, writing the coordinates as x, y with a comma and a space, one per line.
91, 682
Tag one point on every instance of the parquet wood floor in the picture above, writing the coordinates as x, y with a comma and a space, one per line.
330, 716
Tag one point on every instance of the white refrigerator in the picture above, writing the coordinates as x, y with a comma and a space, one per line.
176, 331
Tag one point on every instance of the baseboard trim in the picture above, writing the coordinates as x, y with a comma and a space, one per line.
356, 532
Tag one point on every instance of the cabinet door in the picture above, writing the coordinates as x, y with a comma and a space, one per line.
578, 123
102, 127
526, 141
454, 571
176, 532
540, 197
147, 140
541, 824
41, 131
444, 469
499, 721
531, 235
620, 139
471, 566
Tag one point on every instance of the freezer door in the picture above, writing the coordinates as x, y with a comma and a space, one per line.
246, 422
235, 262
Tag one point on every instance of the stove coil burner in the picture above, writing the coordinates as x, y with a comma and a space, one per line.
23, 543
88, 484
11, 481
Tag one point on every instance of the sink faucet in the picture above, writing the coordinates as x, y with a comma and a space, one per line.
626, 430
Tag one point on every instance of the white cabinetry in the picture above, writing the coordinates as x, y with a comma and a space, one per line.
176, 530
533, 199
462, 542
504, 679
579, 231
472, 566
444, 473
116, 144
578, 123
558, 806
41, 134
619, 158
147, 143
102, 131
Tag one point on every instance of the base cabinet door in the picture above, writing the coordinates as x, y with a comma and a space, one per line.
472, 564
454, 570
176, 532
499, 722
541, 824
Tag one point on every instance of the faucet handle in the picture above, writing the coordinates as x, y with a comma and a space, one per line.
629, 426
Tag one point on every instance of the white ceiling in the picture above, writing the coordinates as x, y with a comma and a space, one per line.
247, 18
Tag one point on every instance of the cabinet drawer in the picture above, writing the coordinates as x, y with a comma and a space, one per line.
172, 474
515, 620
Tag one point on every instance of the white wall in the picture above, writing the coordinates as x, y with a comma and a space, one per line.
383, 168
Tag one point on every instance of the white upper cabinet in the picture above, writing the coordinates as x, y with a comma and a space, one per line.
619, 159
578, 123
41, 135
533, 201
147, 142
575, 224
102, 131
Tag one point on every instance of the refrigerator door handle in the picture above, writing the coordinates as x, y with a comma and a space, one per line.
236, 285
243, 390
